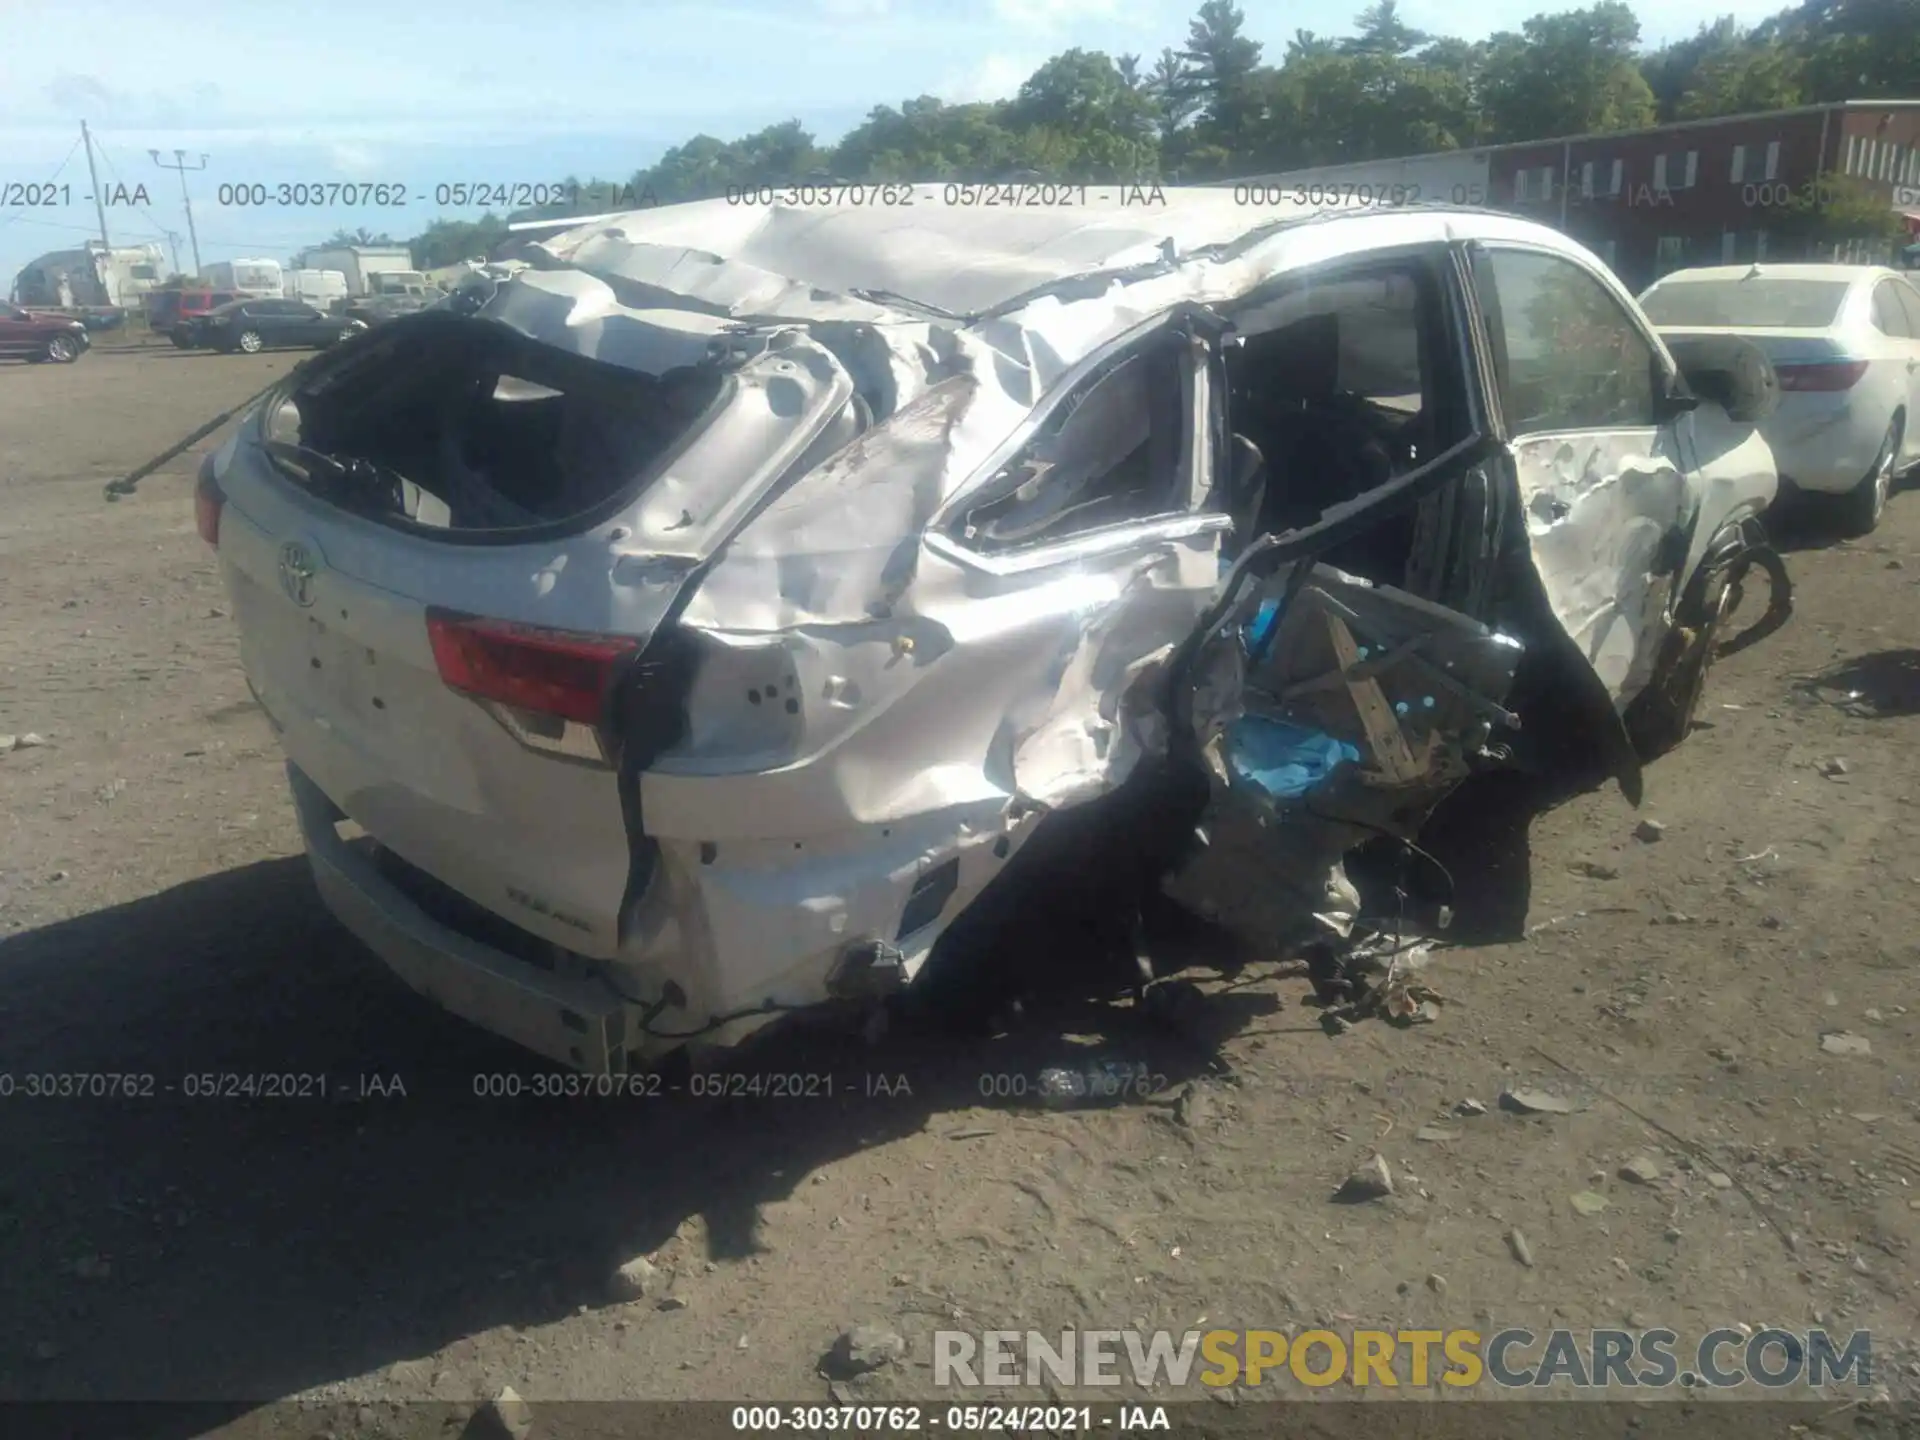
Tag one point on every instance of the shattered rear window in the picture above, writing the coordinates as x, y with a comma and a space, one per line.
1756, 304
463, 424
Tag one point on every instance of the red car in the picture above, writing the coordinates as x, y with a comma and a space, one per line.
41, 337
173, 312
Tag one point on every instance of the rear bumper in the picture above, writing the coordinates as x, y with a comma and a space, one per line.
579, 1023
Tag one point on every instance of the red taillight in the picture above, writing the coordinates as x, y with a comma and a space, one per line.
1827, 376
207, 501
553, 672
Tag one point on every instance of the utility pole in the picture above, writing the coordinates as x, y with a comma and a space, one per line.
173, 240
99, 205
180, 164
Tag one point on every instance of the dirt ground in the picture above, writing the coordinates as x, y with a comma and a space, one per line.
408, 1239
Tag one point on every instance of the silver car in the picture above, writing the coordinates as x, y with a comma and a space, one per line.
696, 626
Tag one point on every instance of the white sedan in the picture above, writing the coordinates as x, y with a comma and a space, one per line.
1845, 341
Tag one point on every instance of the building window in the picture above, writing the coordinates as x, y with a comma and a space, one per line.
1586, 180
1520, 182
1729, 243
1759, 245
1619, 177
1738, 172
1853, 154
1659, 172
1693, 169
1546, 182
1773, 160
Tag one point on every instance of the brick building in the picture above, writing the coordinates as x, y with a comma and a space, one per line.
1698, 192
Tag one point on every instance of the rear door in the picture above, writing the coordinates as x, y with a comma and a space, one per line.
1896, 314
304, 323
1602, 480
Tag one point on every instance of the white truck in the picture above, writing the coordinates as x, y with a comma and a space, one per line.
381, 280
360, 264
322, 289
94, 276
251, 278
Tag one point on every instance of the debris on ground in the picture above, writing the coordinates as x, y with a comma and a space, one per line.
1517, 1243
1469, 1106
1845, 1042
863, 1348
1833, 767
1594, 870
1647, 832
1529, 1100
1587, 1202
507, 1416
638, 1279
1193, 1108
1372, 1181
1641, 1170
1373, 976
1436, 1134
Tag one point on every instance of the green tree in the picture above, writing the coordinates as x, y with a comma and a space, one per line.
1837, 209
1172, 90
1305, 45
1567, 74
1743, 80
446, 242
927, 139
362, 236
1670, 70
1383, 32
1220, 62
1100, 128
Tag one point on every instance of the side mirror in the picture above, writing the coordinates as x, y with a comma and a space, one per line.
1671, 397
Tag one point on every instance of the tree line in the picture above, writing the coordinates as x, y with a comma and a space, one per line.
1218, 108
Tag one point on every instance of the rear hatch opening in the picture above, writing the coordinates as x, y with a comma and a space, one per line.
464, 427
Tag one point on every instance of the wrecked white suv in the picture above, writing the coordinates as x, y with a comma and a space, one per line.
690, 629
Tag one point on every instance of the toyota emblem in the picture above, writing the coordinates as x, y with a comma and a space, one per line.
297, 569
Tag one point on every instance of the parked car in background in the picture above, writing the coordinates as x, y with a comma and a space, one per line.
1845, 343
251, 326
25, 335
696, 665
172, 312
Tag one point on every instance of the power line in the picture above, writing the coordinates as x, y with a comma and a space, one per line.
59, 170
180, 164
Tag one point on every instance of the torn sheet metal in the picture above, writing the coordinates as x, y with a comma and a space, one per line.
1603, 511
811, 259
1347, 714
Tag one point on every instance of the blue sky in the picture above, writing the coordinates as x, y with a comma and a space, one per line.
436, 91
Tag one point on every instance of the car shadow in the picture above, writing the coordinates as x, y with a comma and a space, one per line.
1877, 686
163, 1242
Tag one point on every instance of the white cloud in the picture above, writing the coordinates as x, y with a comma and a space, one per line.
1047, 15
854, 9
350, 158
997, 77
